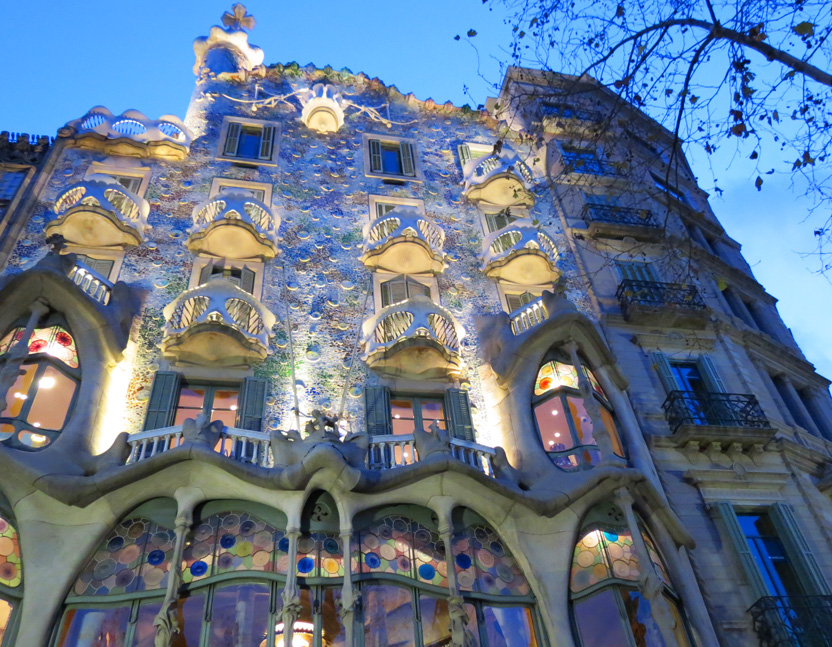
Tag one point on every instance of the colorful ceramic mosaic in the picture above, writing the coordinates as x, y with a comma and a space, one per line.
601, 555
483, 563
400, 546
135, 556
54, 341
11, 566
556, 375
233, 541
320, 554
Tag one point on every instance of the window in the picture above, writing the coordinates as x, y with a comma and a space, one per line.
392, 157
248, 140
102, 266
564, 425
577, 159
769, 555
607, 607
260, 191
246, 276
635, 271
10, 182
401, 289
416, 412
380, 206
500, 219
517, 301
39, 402
173, 400
668, 189
11, 579
468, 152
129, 182
602, 199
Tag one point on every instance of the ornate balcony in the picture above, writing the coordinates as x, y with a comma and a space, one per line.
520, 254
528, 316
415, 338
664, 304
131, 134
95, 286
234, 225
617, 222
713, 410
404, 241
389, 452
238, 444
100, 212
501, 180
795, 621
217, 324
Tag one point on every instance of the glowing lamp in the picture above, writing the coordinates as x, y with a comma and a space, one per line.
302, 633
46, 382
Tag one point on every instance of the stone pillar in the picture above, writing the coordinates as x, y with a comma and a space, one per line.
819, 406
650, 584
461, 635
350, 596
291, 593
796, 406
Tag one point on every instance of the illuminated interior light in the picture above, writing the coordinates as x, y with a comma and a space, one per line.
36, 424
38, 438
557, 435
397, 416
20, 396
301, 634
554, 412
233, 407
46, 382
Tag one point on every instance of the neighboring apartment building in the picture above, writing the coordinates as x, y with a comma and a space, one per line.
326, 365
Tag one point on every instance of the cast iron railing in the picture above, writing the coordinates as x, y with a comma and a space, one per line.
796, 621
714, 409
658, 295
620, 215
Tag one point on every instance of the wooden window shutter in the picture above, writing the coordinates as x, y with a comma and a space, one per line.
161, 406
393, 291
205, 273
375, 156
514, 301
101, 265
252, 403
415, 288
664, 371
712, 379
232, 139
464, 154
247, 277
724, 512
408, 162
801, 556
377, 409
266, 143
459, 414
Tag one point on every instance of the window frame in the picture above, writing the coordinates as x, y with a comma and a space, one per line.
140, 172
211, 387
220, 183
417, 175
417, 400
505, 290
200, 262
7, 205
117, 258
472, 150
517, 213
592, 162
376, 200
271, 160
379, 278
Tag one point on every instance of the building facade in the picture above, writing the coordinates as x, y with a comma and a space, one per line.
327, 364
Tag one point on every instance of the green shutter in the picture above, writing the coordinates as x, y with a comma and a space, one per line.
458, 409
252, 403
408, 161
464, 154
724, 511
664, 371
163, 397
232, 139
375, 156
377, 406
247, 280
267, 143
712, 379
804, 562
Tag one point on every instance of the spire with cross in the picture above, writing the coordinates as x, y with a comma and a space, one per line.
237, 18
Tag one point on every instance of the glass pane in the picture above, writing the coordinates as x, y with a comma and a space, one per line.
94, 627
598, 620
509, 627
246, 543
189, 612
145, 633
333, 630
388, 616
52, 399
554, 375
581, 420
770, 555
6, 609
391, 161
679, 628
17, 395
249, 145
436, 621
403, 416
484, 563
226, 399
612, 429
645, 630
553, 426
433, 410
191, 402
304, 626
11, 568
239, 616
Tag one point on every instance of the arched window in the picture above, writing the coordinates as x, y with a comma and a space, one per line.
39, 402
11, 579
564, 425
603, 585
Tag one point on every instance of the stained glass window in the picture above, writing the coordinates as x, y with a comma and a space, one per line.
135, 556
401, 546
320, 554
555, 375
603, 554
483, 563
53, 340
11, 567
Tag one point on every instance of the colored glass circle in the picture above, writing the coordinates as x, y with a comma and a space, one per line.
228, 541
198, 569
306, 564
156, 557
463, 561
427, 572
283, 545
330, 545
372, 560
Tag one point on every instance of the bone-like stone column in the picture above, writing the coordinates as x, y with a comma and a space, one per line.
291, 594
350, 596
461, 636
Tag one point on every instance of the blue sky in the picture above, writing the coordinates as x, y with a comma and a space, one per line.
62, 58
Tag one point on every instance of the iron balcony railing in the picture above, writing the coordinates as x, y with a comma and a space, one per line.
619, 215
658, 295
714, 409
795, 621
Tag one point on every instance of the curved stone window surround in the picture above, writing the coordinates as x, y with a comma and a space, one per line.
606, 582
563, 423
39, 401
11, 579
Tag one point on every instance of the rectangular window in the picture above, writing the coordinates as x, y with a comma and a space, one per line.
129, 182
390, 157
383, 208
602, 199
102, 266
257, 194
635, 271
244, 275
260, 191
770, 555
248, 139
517, 301
416, 412
10, 182
577, 159
401, 289
498, 220
217, 402
468, 152
668, 189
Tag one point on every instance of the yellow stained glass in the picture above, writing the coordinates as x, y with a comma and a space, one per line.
52, 340
603, 554
556, 375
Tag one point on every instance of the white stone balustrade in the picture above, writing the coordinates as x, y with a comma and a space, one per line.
389, 452
521, 254
100, 212
233, 224
91, 283
528, 316
404, 241
242, 445
217, 322
415, 338
500, 179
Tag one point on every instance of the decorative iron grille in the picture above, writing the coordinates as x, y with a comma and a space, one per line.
715, 409
620, 215
658, 295
795, 621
